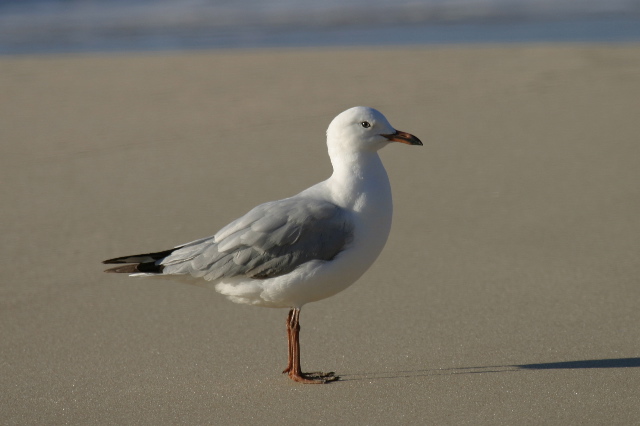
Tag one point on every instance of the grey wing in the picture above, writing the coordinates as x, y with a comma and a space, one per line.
271, 240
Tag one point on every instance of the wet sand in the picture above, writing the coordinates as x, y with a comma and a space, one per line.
507, 294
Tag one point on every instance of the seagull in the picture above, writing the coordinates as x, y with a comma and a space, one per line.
290, 252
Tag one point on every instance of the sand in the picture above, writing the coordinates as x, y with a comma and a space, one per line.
507, 294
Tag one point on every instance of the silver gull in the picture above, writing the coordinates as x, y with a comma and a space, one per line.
290, 252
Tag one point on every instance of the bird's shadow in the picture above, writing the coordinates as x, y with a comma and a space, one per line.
563, 365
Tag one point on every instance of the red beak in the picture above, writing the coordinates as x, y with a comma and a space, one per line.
403, 137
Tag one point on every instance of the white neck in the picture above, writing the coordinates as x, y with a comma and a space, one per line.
359, 180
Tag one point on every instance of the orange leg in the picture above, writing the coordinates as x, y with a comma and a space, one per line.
293, 365
289, 341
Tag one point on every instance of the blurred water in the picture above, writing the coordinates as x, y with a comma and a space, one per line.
55, 26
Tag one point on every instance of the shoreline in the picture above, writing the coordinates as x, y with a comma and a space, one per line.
608, 30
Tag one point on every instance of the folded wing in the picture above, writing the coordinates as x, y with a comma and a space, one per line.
271, 240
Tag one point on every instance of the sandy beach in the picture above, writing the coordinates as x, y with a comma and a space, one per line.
507, 294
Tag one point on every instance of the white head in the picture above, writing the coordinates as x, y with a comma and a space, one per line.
361, 129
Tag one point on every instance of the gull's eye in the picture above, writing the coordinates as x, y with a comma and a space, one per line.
365, 124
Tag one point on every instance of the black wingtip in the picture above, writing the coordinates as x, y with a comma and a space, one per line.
139, 263
145, 268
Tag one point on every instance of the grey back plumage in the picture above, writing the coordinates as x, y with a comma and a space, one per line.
271, 240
